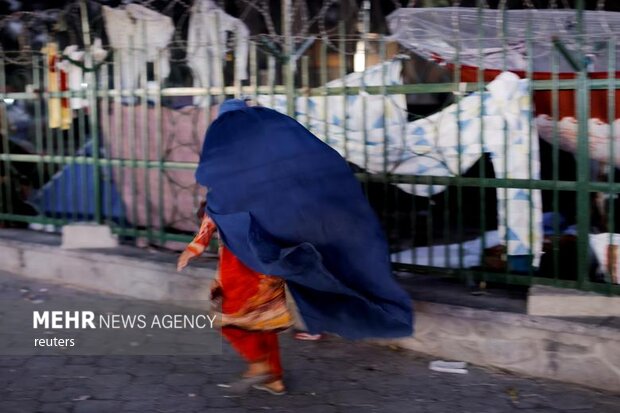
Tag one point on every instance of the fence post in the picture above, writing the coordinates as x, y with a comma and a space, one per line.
583, 161
289, 72
91, 80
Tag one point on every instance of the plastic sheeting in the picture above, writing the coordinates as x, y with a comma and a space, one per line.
476, 36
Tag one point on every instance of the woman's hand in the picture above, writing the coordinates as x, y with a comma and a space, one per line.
183, 260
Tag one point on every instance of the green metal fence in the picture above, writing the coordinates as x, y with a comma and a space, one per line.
127, 155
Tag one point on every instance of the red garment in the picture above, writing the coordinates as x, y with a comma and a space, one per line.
249, 299
239, 283
255, 346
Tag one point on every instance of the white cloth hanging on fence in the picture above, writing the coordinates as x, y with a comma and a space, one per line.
70, 62
349, 111
498, 122
140, 35
436, 255
206, 45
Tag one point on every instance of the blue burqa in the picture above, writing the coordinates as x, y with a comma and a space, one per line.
288, 205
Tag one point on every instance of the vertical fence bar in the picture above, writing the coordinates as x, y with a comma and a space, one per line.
38, 114
93, 114
118, 140
254, 71
271, 78
159, 122
505, 204
343, 73
447, 256
386, 136
144, 132
3, 135
105, 143
447, 259
362, 90
324, 94
131, 119
384, 96
72, 164
82, 131
583, 160
412, 220
555, 109
482, 165
289, 71
6, 179
612, 195
305, 85
429, 227
59, 150
81, 144
208, 103
530, 138
460, 88
237, 80
207, 97
218, 64
47, 147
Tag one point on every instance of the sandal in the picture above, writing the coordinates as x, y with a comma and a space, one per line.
246, 383
262, 387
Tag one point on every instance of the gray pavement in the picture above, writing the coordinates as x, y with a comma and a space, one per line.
327, 376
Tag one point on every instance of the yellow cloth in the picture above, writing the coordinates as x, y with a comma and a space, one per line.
59, 113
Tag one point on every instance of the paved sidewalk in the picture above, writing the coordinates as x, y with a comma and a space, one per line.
328, 376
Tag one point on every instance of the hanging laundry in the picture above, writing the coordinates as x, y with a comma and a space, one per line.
372, 131
328, 117
206, 45
139, 35
72, 64
59, 115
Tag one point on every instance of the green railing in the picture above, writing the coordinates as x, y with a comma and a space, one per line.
136, 178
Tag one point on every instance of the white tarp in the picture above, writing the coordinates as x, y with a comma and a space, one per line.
443, 33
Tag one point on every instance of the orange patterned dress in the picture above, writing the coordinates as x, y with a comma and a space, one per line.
249, 300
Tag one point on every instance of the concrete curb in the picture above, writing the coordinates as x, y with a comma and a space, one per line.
535, 346
124, 271
559, 302
532, 345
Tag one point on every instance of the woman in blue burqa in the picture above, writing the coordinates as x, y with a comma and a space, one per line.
288, 207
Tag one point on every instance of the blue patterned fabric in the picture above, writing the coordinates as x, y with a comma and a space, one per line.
372, 131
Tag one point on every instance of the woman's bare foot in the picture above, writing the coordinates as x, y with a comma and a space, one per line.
257, 369
276, 386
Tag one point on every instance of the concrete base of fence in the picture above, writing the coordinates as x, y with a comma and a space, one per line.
552, 348
560, 302
87, 235
566, 350
125, 270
